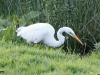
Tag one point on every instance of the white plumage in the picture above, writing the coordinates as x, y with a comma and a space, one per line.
44, 32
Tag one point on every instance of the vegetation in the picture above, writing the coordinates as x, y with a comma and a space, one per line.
19, 59
83, 16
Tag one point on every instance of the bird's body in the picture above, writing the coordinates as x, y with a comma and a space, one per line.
44, 32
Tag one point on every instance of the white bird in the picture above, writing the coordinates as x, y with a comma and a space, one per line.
44, 32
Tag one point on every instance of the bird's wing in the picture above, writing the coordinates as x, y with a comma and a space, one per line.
36, 32
32, 35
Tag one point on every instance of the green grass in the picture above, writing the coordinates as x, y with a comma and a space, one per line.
26, 60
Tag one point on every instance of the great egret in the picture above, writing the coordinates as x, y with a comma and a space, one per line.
44, 32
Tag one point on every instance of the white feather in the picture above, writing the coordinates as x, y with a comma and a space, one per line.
43, 32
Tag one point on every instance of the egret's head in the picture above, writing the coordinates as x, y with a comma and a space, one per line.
71, 33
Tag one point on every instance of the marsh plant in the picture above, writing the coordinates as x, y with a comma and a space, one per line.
83, 16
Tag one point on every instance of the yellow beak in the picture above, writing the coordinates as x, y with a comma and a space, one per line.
77, 39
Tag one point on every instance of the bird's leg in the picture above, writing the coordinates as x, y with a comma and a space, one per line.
36, 41
67, 40
37, 45
46, 47
32, 44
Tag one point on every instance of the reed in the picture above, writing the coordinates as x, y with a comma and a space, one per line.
83, 16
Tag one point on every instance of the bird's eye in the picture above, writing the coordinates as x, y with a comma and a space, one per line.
70, 32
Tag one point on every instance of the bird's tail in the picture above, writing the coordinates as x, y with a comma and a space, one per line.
19, 29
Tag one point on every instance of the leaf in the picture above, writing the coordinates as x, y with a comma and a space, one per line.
4, 23
7, 33
31, 15
97, 46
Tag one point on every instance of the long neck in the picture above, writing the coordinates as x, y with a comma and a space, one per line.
51, 41
60, 37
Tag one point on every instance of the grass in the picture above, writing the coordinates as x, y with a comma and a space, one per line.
27, 60
83, 16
